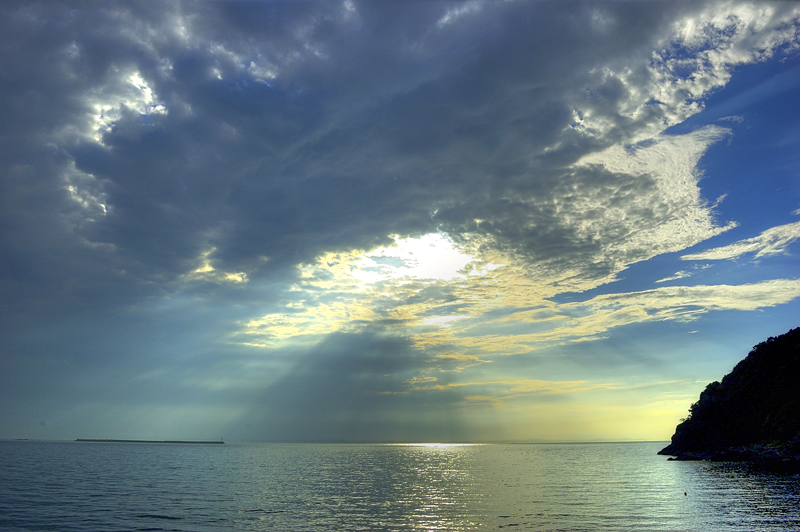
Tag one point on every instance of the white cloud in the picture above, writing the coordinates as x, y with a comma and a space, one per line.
736, 119
592, 319
128, 92
454, 13
694, 58
431, 257
688, 301
672, 303
206, 272
86, 191
677, 275
773, 241
442, 321
668, 215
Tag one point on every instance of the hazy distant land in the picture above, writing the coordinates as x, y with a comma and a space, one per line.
90, 440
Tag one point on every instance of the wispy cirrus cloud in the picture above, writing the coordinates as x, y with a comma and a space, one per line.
773, 241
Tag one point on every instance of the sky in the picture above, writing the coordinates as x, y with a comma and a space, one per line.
390, 221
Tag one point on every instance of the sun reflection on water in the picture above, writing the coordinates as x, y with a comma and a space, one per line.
386, 488
434, 445
432, 486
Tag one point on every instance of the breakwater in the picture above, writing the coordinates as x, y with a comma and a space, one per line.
220, 442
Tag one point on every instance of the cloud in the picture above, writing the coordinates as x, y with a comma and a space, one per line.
229, 133
455, 13
594, 317
674, 277
196, 193
502, 311
688, 302
773, 241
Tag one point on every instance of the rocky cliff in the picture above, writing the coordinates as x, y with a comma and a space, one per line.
753, 414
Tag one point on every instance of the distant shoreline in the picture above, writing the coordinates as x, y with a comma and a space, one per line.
220, 442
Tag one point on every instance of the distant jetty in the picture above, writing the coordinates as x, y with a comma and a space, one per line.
220, 442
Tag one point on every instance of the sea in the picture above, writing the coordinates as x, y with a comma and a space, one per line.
74, 486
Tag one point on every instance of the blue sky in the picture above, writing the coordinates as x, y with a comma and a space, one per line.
371, 221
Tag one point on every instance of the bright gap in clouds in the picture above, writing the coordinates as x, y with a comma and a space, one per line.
431, 257
342, 291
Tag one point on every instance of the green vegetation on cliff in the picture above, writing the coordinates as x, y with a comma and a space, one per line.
753, 414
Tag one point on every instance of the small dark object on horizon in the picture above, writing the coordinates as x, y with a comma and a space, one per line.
148, 441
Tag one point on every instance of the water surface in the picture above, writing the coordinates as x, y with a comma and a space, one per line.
248, 487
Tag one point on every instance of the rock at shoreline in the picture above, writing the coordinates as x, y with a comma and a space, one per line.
752, 415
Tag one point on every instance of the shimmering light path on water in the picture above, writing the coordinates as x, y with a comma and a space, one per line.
248, 487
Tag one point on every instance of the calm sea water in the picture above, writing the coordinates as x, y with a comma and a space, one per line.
571, 487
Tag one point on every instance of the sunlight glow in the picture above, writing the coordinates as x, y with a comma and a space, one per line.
442, 321
430, 257
130, 93
206, 271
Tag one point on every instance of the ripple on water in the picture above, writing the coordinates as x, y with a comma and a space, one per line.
248, 487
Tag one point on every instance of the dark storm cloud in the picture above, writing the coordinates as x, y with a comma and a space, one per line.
280, 130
